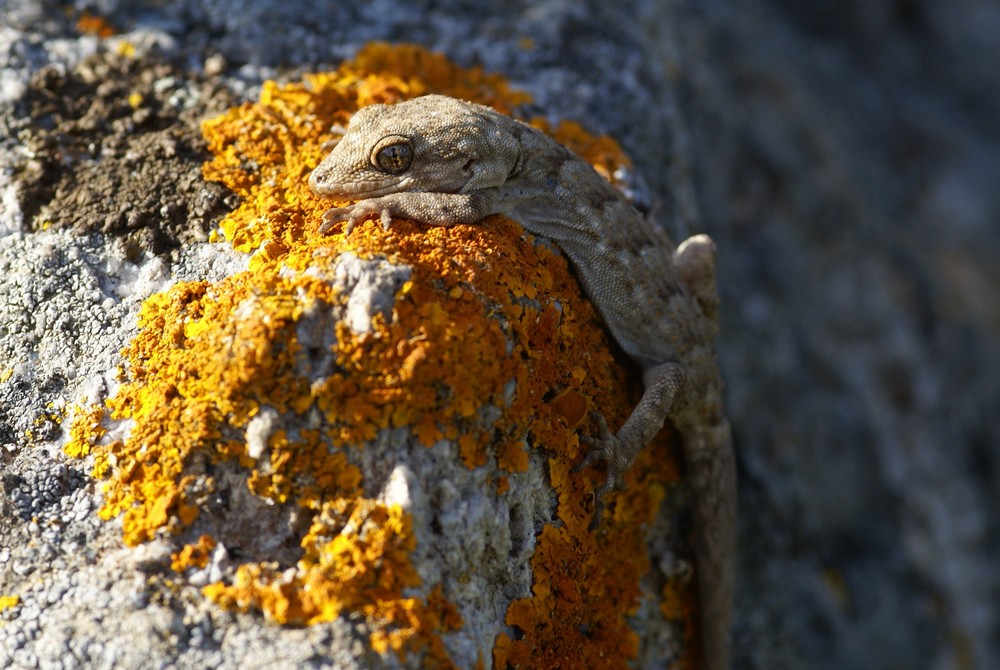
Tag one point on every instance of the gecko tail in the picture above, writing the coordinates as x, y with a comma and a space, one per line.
712, 470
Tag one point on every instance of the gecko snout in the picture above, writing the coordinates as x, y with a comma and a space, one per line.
319, 180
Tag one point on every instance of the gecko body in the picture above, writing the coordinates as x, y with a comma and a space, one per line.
443, 161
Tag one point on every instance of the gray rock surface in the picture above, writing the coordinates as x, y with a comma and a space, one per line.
844, 156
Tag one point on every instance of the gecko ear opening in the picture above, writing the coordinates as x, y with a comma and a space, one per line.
393, 154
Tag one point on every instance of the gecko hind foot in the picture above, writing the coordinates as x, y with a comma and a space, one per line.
605, 448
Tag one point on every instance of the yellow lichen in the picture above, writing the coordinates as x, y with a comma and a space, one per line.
7, 602
484, 305
85, 430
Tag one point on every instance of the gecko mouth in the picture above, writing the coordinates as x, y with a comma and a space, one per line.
320, 185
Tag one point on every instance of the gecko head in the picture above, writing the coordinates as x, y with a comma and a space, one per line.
433, 143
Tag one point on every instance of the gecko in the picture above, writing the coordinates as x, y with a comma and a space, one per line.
443, 161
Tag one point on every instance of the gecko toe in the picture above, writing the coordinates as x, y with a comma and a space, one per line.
386, 219
602, 427
590, 458
596, 521
332, 217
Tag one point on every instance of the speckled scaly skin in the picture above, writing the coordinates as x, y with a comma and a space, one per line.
444, 161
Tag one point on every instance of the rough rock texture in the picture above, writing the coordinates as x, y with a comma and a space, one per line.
846, 159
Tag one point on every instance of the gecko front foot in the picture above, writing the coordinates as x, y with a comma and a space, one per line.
353, 214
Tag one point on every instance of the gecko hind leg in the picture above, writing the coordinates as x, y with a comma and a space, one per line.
620, 449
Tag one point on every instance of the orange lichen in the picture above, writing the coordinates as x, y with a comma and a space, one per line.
92, 24
485, 305
365, 569
571, 406
193, 555
677, 605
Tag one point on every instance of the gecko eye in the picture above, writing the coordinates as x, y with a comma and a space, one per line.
393, 154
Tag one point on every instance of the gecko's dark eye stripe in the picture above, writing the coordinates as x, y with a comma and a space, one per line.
393, 155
